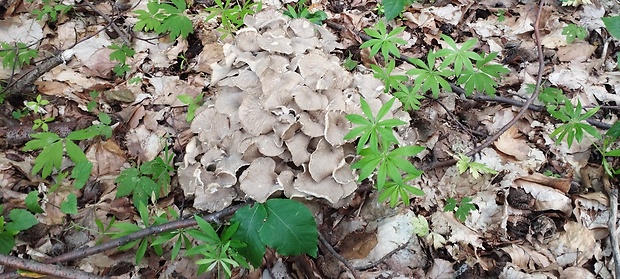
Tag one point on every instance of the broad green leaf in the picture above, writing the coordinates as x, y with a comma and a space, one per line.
127, 181
613, 25
290, 228
32, 202
70, 205
21, 219
614, 131
81, 172
75, 152
250, 219
7, 242
392, 8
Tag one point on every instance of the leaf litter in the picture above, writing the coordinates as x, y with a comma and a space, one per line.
273, 125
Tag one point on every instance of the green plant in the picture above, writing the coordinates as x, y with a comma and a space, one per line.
192, 104
392, 8
610, 137
125, 228
349, 63
146, 181
573, 31
370, 128
53, 148
51, 9
501, 15
21, 220
37, 107
573, 127
460, 58
465, 163
282, 224
300, 10
231, 16
165, 18
217, 251
461, 209
383, 41
428, 77
385, 75
410, 97
379, 156
551, 174
17, 55
612, 24
482, 77
120, 54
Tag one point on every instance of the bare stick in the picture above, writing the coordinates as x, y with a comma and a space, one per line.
375, 263
340, 258
490, 140
110, 21
47, 269
175, 225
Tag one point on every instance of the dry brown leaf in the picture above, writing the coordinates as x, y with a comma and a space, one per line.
511, 143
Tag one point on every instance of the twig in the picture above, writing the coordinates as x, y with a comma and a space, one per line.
375, 263
612, 222
20, 85
47, 269
523, 109
340, 258
120, 32
516, 103
175, 225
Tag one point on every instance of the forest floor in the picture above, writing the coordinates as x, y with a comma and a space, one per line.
535, 209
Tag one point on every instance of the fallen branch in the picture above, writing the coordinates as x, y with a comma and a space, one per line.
46, 269
340, 258
174, 225
388, 255
526, 105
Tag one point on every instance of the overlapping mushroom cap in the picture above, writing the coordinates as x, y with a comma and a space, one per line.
277, 121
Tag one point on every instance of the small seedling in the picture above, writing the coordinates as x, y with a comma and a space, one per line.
461, 209
573, 31
384, 41
465, 163
192, 104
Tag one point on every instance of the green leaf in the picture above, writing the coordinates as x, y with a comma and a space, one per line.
613, 25
70, 205
290, 228
127, 180
450, 205
81, 172
32, 202
21, 219
392, 8
7, 242
250, 219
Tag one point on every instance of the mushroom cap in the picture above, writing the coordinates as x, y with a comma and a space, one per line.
336, 127
258, 181
324, 160
327, 188
246, 40
254, 118
298, 146
275, 41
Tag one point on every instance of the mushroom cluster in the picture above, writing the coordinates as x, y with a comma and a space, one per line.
277, 121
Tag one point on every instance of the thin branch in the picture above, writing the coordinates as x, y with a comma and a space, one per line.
388, 255
120, 32
19, 86
490, 140
340, 258
47, 269
175, 225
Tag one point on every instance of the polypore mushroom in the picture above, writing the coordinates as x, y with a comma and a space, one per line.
327, 188
254, 118
336, 127
259, 180
324, 160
